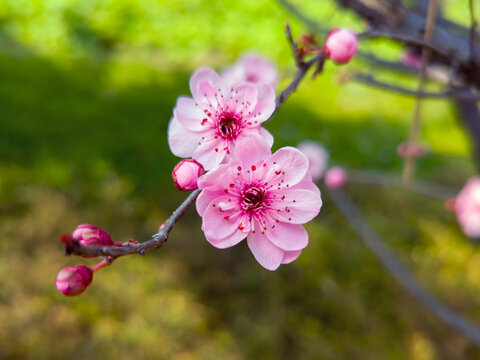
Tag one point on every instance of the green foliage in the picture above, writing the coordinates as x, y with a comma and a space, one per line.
87, 89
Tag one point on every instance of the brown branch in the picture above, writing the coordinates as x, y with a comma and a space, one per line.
391, 263
465, 95
429, 29
302, 70
129, 248
473, 25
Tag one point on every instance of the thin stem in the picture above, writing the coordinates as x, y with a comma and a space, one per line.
429, 28
423, 187
129, 248
390, 262
473, 25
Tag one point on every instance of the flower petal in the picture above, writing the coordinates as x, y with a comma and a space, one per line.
181, 141
206, 75
190, 115
265, 134
250, 150
210, 153
296, 206
205, 198
244, 99
307, 184
288, 164
228, 241
290, 256
287, 236
267, 254
221, 218
265, 104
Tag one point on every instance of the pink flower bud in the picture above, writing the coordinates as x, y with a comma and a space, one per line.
186, 173
414, 150
92, 235
335, 177
341, 45
73, 280
413, 59
467, 207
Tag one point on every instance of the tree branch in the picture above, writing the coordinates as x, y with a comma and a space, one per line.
129, 248
464, 95
419, 186
390, 262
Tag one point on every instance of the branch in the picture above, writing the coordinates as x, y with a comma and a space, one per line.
465, 95
470, 117
390, 262
473, 25
302, 70
419, 186
134, 248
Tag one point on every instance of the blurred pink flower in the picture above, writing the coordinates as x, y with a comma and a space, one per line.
262, 197
335, 177
412, 59
317, 158
208, 126
253, 69
186, 173
73, 280
415, 150
341, 45
467, 207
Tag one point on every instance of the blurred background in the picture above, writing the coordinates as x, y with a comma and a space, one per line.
87, 88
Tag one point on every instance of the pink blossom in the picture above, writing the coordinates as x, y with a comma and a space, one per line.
415, 150
412, 59
73, 280
186, 173
335, 177
208, 127
253, 69
317, 158
467, 207
262, 197
341, 45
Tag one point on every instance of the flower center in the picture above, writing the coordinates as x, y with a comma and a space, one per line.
229, 126
253, 199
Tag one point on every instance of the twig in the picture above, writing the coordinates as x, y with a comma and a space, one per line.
403, 38
302, 70
134, 248
464, 94
388, 259
473, 25
429, 28
419, 186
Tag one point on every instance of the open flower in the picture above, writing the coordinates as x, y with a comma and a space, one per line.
208, 127
262, 197
253, 69
467, 207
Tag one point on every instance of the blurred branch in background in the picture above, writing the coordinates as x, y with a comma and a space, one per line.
388, 259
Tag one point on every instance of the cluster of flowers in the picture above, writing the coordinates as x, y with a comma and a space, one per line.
246, 191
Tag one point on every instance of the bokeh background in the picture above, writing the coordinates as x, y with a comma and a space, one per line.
87, 88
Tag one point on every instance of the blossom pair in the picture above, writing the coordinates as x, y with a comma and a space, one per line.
247, 193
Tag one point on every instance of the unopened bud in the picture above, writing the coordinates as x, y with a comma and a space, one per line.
406, 149
91, 235
335, 177
186, 173
73, 280
341, 45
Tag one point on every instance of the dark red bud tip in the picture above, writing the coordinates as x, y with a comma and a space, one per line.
73, 280
67, 242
